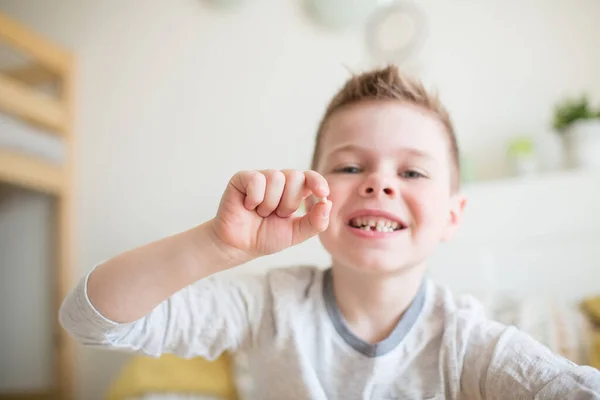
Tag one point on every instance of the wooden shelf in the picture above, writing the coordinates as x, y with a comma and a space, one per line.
22, 95
25, 171
30, 43
31, 74
37, 108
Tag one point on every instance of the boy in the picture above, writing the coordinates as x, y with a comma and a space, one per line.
382, 192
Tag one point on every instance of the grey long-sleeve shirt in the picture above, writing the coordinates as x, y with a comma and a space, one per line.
299, 347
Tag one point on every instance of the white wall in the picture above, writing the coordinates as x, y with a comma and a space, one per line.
174, 97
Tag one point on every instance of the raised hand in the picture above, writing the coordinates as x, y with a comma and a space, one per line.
257, 213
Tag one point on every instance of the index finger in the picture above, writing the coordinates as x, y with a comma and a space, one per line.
316, 183
251, 185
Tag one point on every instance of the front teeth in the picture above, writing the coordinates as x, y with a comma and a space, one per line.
380, 225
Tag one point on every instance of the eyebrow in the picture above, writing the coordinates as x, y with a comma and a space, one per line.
350, 148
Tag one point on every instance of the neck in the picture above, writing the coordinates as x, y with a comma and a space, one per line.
372, 304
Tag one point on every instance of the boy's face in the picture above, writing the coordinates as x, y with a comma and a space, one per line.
388, 166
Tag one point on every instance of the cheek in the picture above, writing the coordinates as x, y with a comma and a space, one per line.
339, 191
427, 205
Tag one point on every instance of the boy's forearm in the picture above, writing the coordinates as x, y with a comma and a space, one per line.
130, 285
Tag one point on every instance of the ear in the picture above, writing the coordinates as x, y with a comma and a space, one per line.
458, 203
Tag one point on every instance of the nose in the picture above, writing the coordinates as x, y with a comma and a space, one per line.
376, 186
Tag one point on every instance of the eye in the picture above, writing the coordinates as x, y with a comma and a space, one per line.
348, 169
412, 174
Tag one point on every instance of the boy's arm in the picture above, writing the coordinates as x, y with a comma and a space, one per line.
144, 299
162, 298
504, 363
130, 285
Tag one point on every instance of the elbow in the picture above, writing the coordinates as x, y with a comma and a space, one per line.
70, 318
64, 319
79, 321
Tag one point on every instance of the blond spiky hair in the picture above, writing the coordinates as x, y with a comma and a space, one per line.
389, 83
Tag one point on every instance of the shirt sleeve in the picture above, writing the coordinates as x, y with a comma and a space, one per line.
205, 319
503, 362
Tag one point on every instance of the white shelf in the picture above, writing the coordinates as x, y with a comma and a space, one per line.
543, 178
565, 202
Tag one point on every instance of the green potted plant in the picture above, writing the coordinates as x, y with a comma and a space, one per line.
579, 124
522, 156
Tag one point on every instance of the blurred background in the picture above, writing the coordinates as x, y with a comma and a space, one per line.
158, 103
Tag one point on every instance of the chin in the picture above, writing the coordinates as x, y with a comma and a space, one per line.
377, 258
377, 267
369, 262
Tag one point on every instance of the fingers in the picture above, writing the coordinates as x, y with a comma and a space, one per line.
277, 191
274, 191
311, 224
299, 185
316, 183
295, 191
252, 185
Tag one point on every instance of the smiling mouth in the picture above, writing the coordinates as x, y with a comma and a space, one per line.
377, 224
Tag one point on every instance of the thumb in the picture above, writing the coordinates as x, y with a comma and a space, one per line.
314, 222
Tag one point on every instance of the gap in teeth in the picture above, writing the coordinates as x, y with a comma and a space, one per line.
378, 224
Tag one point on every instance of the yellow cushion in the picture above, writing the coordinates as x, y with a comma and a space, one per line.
591, 306
594, 356
170, 374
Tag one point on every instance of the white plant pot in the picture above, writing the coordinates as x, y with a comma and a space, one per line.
582, 144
